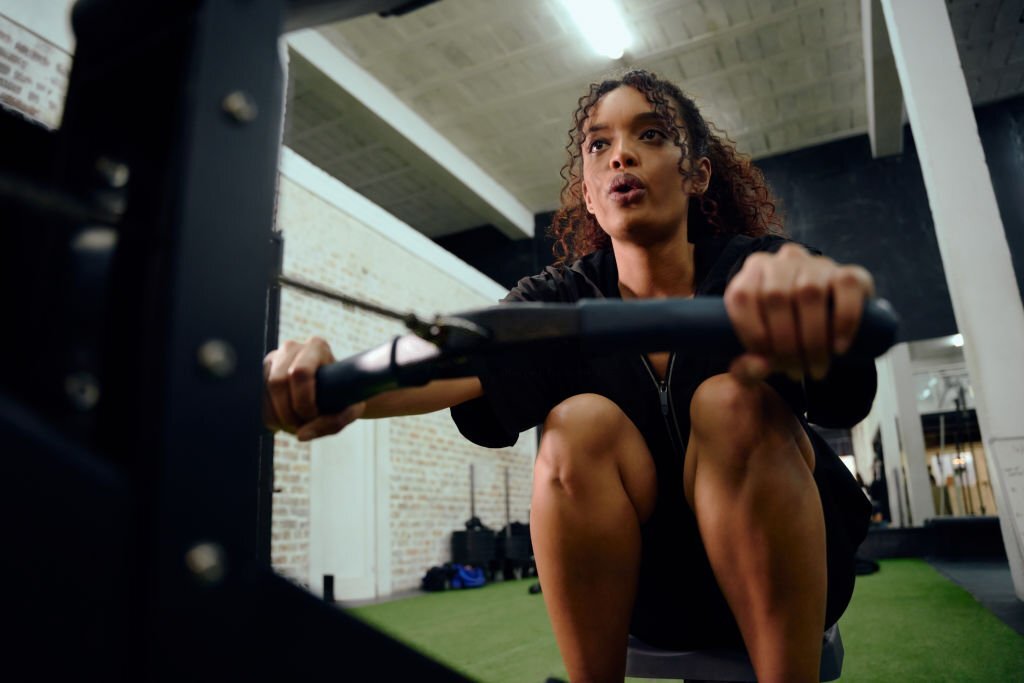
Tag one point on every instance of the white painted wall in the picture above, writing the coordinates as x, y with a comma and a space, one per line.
51, 19
420, 465
36, 46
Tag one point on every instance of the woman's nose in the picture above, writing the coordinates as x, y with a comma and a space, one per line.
623, 157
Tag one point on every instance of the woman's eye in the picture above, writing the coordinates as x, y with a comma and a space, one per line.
597, 146
652, 134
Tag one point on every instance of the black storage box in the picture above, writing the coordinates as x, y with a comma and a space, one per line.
474, 547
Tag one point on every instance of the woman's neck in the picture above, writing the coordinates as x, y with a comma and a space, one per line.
664, 269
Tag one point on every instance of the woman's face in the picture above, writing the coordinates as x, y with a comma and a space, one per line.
631, 180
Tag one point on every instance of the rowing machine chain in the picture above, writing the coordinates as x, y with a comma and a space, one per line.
435, 331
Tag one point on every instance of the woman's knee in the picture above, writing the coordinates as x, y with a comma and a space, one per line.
580, 432
724, 406
586, 439
744, 419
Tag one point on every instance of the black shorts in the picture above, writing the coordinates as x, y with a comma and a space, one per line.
679, 604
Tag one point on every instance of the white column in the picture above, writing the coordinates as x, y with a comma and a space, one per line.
972, 242
383, 516
915, 466
862, 434
887, 418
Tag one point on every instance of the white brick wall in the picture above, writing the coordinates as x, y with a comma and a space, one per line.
338, 239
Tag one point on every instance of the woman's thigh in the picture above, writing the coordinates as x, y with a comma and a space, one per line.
679, 603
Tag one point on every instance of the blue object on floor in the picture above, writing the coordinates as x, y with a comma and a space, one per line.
644, 661
467, 577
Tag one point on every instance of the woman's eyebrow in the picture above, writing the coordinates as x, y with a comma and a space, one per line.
647, 116
643, 117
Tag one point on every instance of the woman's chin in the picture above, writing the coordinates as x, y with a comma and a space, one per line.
644, 232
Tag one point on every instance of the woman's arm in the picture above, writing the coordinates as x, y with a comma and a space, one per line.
289, 399
437, 395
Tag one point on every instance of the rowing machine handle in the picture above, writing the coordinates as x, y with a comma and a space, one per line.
703, 325
405, 361
877, 331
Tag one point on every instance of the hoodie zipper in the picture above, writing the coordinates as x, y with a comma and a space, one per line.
665, 397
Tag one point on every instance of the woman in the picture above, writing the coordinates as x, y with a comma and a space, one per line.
680, 498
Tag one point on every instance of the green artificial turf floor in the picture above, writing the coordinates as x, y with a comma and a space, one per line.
906, 623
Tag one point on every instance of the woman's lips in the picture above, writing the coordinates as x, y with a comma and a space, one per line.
625, 189
628, 197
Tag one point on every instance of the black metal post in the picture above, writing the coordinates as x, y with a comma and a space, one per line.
170, 142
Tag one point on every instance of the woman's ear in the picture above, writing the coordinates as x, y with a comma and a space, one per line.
586, 197
702, 176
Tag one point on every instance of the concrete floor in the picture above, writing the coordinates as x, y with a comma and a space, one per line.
990, 583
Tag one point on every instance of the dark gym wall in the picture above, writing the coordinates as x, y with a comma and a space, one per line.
492, 253
1002, 136
875, 212
502, 259
856, 209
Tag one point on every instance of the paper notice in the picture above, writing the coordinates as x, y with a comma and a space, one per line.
33, 74
1009, 457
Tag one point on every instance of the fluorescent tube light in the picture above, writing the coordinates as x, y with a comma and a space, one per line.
601, 24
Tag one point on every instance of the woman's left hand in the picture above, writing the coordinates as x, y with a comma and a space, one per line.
794, 311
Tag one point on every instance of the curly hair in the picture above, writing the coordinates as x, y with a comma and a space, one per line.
737, 200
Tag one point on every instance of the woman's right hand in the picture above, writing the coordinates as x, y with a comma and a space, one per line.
289, 395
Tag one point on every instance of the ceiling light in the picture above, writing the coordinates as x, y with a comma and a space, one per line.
601, 24
957, 340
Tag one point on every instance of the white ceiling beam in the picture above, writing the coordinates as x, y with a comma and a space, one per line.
882, 83
475, 187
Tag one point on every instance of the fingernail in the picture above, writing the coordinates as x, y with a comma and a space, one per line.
304, 434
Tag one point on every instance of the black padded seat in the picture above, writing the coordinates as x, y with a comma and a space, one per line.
719, 665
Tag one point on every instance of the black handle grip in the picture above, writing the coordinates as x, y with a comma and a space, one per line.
701, 325
405, 361
877, 331
348, 381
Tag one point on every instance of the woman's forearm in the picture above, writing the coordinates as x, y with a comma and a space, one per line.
437, 395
